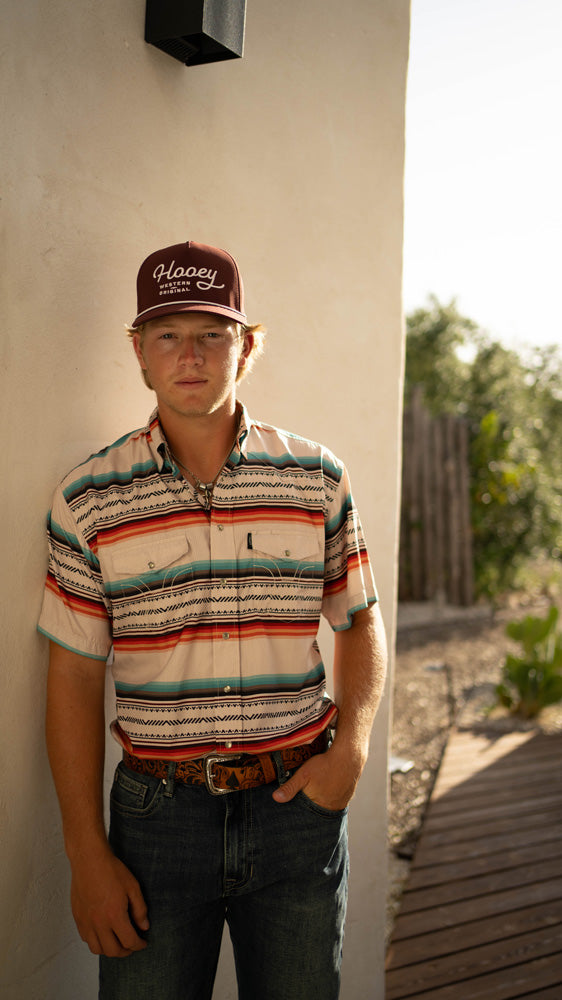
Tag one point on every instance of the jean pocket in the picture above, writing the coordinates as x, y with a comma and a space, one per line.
314, 807
134, 794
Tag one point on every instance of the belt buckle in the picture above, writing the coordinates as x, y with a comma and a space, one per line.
208, 761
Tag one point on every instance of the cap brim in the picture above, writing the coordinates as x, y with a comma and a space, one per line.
180, 307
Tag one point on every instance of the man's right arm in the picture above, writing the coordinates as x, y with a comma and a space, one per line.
107, 902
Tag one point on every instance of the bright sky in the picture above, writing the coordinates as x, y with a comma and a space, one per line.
484, 164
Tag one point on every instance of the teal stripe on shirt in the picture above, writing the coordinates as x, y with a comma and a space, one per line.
263, 681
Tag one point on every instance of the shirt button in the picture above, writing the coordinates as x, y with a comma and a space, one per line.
227, 688
287, 552
151, 565
220, 527
228, 744
226, 635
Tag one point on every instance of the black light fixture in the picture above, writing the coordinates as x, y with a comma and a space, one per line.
196, 31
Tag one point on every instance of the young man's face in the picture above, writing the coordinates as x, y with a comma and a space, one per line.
192, 360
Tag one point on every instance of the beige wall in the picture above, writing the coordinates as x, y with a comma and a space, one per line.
293, 159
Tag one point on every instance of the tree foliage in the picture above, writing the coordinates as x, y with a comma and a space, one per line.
513, 404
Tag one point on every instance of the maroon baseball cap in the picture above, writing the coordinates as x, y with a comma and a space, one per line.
189, 277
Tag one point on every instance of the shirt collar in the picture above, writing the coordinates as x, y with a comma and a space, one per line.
159, 449
157, 443
243, 432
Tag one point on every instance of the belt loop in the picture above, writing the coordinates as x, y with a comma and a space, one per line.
169, 781
282, 774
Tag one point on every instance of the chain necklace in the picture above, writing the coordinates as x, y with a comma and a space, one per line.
205, 489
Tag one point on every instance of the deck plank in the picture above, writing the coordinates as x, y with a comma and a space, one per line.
458, 938
464, 911
506, 984
494, 827
482, 884
550, 993
525, 806
427, 856
501, 859
474, 962
478, 796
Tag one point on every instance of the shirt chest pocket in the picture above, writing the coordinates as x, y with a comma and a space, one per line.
286, 555
147, 566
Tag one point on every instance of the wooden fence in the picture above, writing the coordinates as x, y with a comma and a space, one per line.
436, 560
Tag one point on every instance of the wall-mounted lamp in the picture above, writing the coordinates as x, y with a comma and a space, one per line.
196, 31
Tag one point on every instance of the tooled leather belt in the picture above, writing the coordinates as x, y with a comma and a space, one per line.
223, 773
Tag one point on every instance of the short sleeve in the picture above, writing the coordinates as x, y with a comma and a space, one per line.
349, 584
75, 611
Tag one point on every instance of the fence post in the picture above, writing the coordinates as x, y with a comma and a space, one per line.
436, 534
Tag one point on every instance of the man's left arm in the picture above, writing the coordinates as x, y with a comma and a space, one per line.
360, 657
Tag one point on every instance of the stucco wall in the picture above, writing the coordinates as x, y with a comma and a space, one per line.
293, 159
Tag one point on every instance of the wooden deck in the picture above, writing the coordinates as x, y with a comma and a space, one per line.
481, 916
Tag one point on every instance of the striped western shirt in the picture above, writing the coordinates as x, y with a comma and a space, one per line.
210, 617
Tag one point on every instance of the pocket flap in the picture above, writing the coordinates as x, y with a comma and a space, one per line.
151, 556
287, 544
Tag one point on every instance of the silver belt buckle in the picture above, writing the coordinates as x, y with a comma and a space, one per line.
208, 761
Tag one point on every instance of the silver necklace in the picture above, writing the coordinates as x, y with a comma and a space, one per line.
205, 489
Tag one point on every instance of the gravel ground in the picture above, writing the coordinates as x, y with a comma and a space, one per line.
444, 671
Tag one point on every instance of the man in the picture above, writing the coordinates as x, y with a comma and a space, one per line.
200, 552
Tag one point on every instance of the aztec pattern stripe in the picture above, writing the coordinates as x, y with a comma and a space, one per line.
211, 617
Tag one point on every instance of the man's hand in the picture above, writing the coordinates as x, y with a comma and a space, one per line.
327, 779
108, 906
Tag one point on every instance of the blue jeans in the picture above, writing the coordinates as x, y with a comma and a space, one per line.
276, 872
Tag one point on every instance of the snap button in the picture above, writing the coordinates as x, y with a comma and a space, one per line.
227, 688
220, 527
226, 635
151, 565
228, 744
287, 552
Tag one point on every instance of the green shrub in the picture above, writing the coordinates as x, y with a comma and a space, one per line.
534, 680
